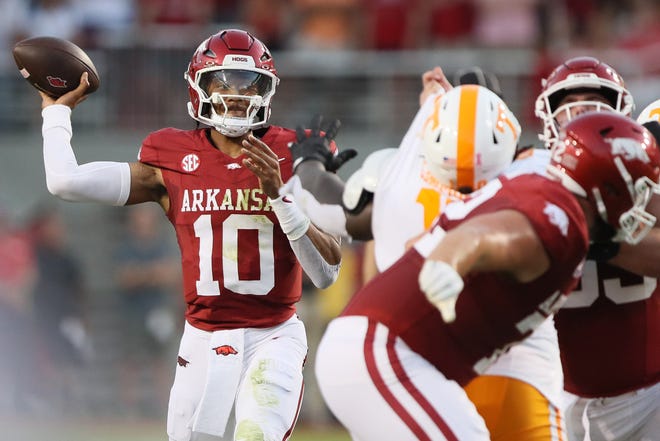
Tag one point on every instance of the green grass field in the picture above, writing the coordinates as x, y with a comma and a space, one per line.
12, 429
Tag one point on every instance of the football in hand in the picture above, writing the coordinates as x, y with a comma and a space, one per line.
54, 65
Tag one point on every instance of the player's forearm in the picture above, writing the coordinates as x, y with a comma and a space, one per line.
326, 187
497, 242
460, 249
104, 182
327, 246
358, 225
320, 261
643, 258
318, 253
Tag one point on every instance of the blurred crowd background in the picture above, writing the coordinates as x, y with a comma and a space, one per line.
90, 308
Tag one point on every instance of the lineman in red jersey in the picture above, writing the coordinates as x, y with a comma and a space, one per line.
609, 329
242, 244
390, 366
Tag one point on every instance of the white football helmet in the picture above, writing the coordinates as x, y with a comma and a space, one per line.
470, 138
650, 113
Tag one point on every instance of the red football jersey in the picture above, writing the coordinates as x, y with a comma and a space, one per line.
493, 311
238, 267
609, 332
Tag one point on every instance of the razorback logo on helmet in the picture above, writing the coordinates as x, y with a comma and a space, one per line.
190, 163
225, 350
629, 149
182, 361
56, 81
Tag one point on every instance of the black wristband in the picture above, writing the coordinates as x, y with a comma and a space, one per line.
603, 251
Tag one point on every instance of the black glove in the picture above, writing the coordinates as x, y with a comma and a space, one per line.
316, 146
603, 251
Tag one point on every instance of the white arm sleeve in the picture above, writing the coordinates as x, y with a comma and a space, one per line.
105, 182
320, 272
294, 224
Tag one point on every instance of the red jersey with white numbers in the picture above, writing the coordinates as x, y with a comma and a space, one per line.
238, 267
492, 311
609, 332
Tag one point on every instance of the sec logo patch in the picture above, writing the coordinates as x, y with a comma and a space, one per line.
190, 163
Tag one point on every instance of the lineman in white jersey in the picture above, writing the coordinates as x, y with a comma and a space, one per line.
520, 395
533, 362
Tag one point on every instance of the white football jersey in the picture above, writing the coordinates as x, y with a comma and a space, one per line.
405, 204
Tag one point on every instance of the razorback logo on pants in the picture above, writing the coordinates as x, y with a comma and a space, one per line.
225, 350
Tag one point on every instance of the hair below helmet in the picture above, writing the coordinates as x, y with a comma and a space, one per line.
614, 163
470, 138
580, 74
240, 70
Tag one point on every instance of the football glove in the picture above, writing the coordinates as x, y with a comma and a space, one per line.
442, 285
315, 145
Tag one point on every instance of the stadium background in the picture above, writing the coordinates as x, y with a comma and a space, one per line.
356, 60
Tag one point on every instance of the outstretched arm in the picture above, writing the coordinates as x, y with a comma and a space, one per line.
434, 82
324, 190
316, 165
497, 242
502, 241
113, 183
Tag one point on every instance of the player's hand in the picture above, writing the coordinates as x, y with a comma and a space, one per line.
434, 82
315, 145
264, 163
442, 285
72, 98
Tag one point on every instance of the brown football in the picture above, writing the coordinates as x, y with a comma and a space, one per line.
54, 65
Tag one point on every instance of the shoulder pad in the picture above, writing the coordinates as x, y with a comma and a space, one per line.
362, 184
